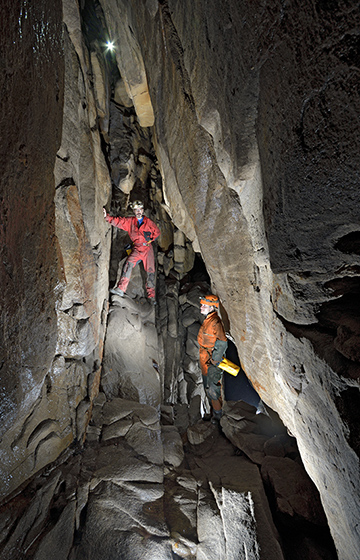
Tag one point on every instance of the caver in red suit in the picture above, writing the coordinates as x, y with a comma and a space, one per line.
142, 233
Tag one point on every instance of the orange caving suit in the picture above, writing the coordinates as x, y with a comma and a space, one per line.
213, 343
142, 236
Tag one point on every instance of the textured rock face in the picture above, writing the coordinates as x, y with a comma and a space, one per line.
54, 249
254, 125
131, 352
30, 257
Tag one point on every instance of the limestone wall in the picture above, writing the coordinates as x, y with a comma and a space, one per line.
54, 243
32, 82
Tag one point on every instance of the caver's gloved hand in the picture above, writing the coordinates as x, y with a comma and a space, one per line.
218, 352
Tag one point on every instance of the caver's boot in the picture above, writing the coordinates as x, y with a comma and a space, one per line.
117, 292
261, 409
150, 295
216, 416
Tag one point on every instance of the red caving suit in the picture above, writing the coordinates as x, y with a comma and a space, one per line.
141, 236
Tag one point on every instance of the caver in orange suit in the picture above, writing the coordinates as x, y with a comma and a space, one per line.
213, 343
142, 237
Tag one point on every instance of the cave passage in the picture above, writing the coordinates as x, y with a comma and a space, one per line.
239, 387
236, 124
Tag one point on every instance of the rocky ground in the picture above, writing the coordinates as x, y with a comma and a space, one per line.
141, 488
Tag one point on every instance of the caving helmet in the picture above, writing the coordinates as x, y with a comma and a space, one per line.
137, 204
210, 300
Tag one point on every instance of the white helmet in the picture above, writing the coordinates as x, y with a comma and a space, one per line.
137, 204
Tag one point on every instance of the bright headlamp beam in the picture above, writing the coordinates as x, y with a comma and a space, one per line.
110, 45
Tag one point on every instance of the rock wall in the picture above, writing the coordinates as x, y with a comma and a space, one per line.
54, 244
254, 114
32, 85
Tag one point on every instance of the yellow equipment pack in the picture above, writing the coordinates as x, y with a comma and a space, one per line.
229, 366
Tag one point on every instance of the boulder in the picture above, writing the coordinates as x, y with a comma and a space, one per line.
173, 446
118, 463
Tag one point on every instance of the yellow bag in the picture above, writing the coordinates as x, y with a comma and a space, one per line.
230, 367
